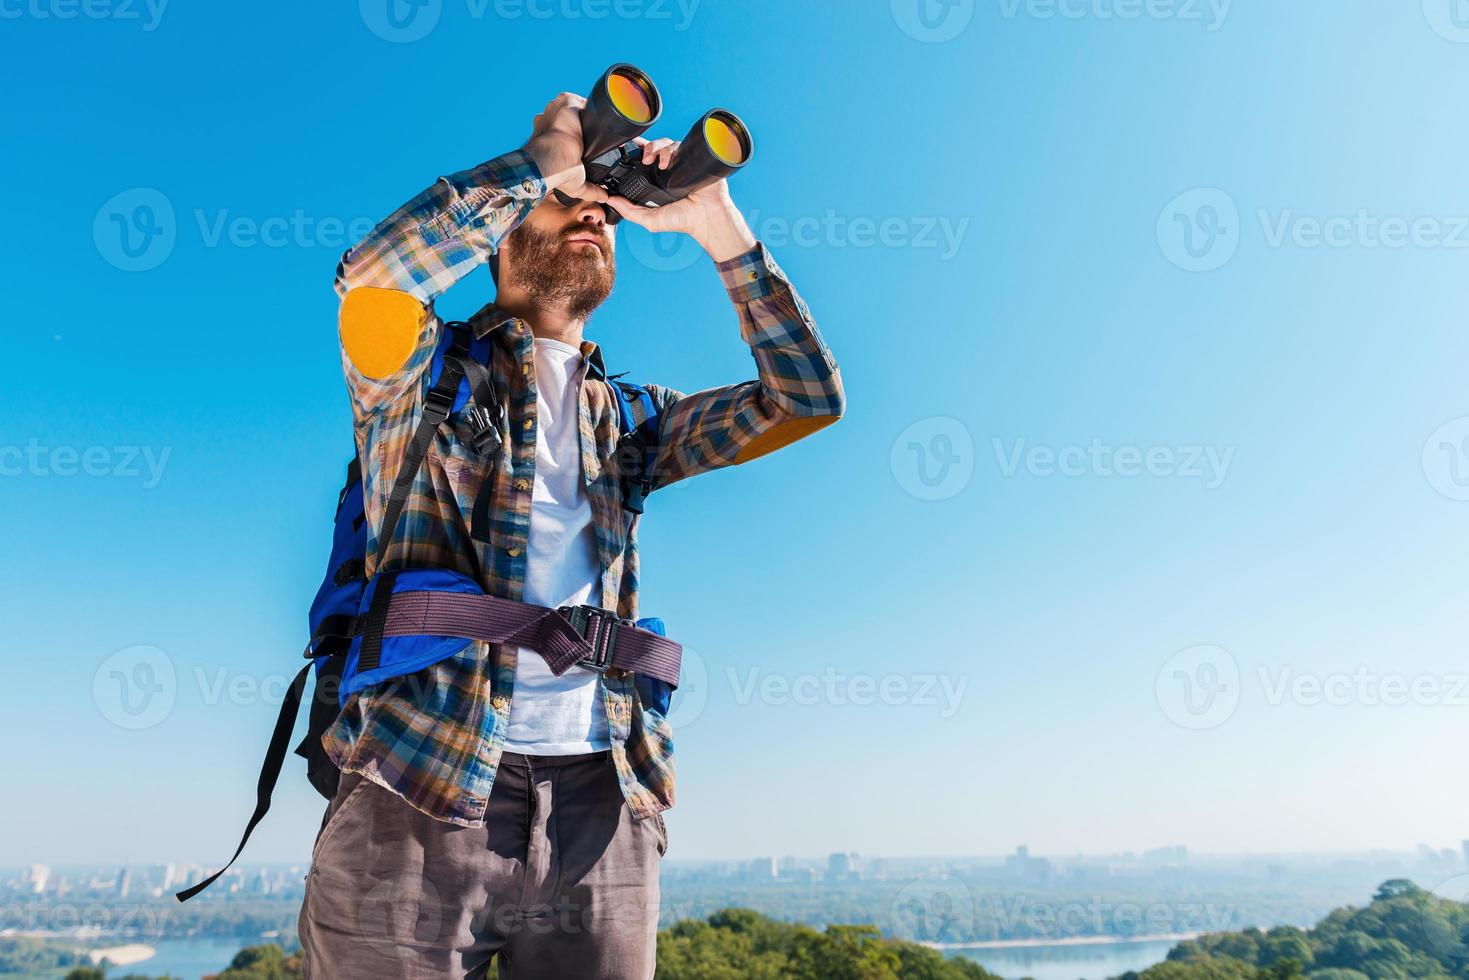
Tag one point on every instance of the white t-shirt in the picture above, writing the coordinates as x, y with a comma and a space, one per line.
563, 715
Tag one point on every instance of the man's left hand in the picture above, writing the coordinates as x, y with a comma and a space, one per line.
708, 214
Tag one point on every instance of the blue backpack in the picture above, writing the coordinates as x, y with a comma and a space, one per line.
459, 382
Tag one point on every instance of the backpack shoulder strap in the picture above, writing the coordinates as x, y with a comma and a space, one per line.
637, 445
438, 404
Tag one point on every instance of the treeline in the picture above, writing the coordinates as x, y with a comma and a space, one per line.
163, 917
735, 944
1404, 933
738, 944
30, 956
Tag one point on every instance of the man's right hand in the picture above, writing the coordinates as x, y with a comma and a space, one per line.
555, 145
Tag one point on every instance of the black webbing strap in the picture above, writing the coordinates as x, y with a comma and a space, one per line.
436, 408
341, 625
488, 424
370, 656
270, 771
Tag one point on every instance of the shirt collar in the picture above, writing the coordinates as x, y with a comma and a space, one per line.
491, 318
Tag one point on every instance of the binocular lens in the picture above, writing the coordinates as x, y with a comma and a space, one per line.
631, 94
622, 106
727, 138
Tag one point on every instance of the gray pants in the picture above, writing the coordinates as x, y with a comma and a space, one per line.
561, 882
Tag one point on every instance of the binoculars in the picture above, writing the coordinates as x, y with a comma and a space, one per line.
621, 106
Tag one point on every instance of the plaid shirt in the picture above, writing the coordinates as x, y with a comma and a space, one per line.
436, 738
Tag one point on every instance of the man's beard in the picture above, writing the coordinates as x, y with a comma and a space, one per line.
554, 276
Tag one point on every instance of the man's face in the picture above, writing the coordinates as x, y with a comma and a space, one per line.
561, 254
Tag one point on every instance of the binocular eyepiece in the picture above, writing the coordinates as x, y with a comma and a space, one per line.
621, 106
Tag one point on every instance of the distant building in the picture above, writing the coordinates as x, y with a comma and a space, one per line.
1167, 857
764, 869
1022, 865
124, 882
843, 866
36, 877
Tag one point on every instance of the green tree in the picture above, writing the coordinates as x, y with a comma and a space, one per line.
268, 962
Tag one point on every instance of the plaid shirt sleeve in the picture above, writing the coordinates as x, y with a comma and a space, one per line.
799, 388
389, 281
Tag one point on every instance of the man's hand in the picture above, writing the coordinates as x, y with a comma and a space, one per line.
555, 145
708, 214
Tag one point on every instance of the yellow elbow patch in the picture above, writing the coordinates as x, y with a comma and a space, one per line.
379, 329
783, 435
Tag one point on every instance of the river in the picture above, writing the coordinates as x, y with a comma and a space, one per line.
1069, 962
190, 959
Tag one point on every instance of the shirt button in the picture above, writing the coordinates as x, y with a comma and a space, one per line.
530, 424
499, 702
754, 275
522, 484
529, 185
525, 369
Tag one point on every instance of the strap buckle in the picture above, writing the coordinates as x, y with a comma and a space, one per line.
599, 627
485, 426
438, 406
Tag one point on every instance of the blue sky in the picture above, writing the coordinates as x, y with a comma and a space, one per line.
1144, 526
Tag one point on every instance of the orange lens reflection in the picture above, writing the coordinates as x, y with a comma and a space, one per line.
723, 133
630, 96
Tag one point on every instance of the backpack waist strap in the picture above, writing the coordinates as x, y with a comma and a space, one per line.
584, 636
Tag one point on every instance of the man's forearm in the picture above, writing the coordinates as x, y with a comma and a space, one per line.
798, 390
727, 236
441, 235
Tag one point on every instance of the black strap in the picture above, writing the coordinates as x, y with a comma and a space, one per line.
488, 418
436, 408
371, 653
638, 443
270, 771
348, 570
354, 475
486, 413
482, 521
341, 625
